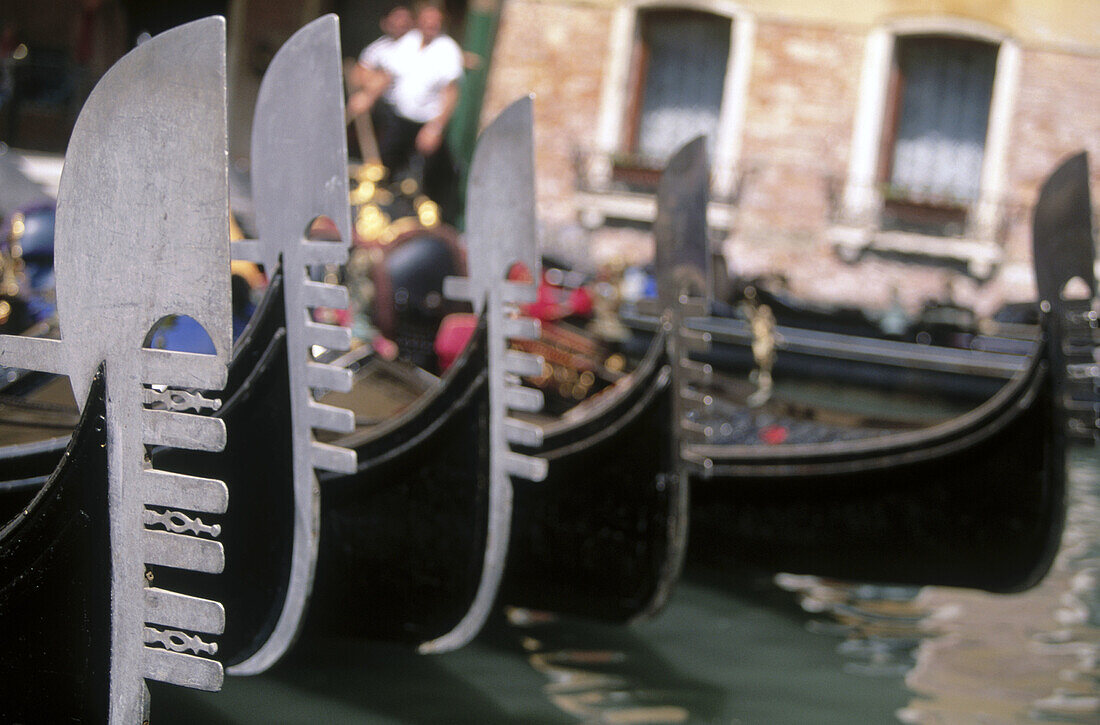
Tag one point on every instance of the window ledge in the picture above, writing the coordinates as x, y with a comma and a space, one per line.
981, 256
595, 208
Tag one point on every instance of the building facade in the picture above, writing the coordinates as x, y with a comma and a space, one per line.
864, 150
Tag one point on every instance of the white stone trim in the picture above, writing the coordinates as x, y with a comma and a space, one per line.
1006, 82
731, 117
860, 197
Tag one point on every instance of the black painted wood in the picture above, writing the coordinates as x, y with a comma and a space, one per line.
592, 539
55, 588
257, 467
403, 539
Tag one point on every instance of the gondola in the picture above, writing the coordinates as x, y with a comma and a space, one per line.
976, 501
419, 533
267, 577
605, 534
599, 534
256, 582
970, 374
86, 630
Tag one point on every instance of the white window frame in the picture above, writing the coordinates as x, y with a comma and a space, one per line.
862, 199
615, 91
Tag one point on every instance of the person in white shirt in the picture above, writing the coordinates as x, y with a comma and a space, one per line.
397, 21
421, 75
369, 76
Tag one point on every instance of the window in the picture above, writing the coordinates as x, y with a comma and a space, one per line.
679, 75
938, 113
926, 172
675, 69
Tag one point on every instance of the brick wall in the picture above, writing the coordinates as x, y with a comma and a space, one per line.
1056, 115
801, 103
556, 52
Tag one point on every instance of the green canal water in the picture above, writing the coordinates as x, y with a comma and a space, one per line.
731, 647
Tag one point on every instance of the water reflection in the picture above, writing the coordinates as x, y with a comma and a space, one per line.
1076, 698
732, 647
879, 627
604, 675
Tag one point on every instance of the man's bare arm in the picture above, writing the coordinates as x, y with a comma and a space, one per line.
373, 83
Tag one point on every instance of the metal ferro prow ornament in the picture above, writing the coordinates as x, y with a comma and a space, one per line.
681, 258
142, 233
300, 173
1063, 248
500, 233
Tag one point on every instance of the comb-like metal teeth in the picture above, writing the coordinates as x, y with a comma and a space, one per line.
178, 668
183, 551
328, 457
692, 306
1082, 371
695, 340
459, 289
523, 364
528, 467
691, 426
321, 294
171, 609
518, 293
32, 353
333, 337
529, 400
522, 433
695, 397
182, 430
522, 328
1083, 426
327, 377
161, 488
183, 369
330, 418
1078, 349
246, 250
324, 252
694, 372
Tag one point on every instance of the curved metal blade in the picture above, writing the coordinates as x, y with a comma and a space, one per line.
299, 144
680, 229
300, 172
500, 231
1062, 237
142, 208
500, 202
143, 232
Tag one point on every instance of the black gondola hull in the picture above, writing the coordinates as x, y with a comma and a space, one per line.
597, 537
403, 540
55, 588
981, 506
